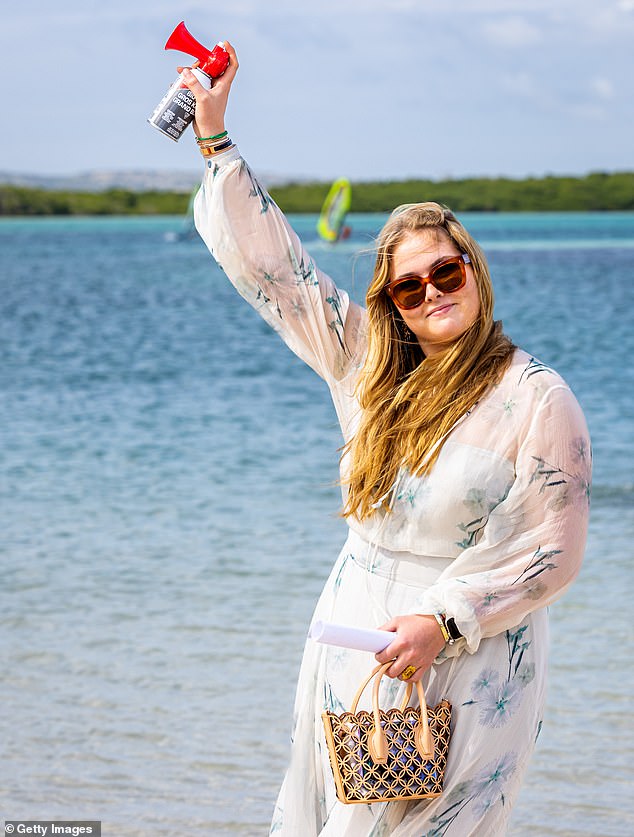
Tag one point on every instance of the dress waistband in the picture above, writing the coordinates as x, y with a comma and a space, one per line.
403, 567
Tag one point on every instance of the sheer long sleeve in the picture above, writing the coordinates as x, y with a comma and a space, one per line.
533, 542
264, 259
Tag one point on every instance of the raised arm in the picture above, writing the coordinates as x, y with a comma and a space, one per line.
253, 243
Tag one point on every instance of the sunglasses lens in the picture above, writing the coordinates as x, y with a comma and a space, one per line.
409, 293
448, 277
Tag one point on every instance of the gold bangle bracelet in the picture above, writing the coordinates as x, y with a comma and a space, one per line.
443, 628
209, 151
215, 144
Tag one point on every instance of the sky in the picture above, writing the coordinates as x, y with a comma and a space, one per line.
368, 89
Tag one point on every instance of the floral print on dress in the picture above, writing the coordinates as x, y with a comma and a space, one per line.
533, 367
336, 324
539, 563
256, 190
475, 796
499, 698
331, 701
573, 488
480, 504
304, 269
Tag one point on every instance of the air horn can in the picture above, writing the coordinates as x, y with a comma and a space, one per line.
177, 108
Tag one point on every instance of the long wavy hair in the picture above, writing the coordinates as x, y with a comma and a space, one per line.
410, 402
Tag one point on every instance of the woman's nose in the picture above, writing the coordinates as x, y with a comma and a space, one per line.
431, 292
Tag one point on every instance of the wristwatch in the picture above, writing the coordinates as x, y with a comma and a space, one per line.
452, 630
448, 628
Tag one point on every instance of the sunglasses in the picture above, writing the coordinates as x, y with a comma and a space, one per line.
447, 276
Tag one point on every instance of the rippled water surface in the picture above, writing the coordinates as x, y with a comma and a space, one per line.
169, 515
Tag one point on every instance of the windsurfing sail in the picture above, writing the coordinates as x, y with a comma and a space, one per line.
333, 213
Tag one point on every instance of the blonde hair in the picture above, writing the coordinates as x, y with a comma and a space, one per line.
411, 402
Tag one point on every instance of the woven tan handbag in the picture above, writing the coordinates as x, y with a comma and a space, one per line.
381, 756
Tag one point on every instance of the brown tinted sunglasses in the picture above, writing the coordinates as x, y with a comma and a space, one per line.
447, 276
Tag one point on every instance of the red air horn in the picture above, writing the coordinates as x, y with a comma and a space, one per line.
176, 109
212, 63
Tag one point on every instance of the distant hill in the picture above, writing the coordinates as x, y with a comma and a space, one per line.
133, 180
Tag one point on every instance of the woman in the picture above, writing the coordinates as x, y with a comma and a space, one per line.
465, 471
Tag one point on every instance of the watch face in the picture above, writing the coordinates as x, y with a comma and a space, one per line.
453, 631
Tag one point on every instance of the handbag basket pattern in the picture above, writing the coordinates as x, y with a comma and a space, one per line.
381, 756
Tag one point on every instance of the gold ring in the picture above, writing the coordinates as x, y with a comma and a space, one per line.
407, 673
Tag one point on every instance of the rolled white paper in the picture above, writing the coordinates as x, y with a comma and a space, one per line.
361, 639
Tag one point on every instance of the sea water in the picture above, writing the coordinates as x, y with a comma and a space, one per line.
169, 515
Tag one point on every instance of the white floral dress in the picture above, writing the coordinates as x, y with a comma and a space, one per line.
493, 535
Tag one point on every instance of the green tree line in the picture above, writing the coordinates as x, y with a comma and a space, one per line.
19, 200
594, 192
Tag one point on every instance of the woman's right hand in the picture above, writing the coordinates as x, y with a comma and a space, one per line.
212, 104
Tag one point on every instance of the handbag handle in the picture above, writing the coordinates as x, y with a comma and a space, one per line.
377, 740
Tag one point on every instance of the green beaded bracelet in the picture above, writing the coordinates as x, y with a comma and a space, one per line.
217, 136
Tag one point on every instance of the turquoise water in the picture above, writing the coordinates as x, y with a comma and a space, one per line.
165, 535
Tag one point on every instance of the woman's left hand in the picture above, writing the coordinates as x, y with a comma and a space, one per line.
417, 643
